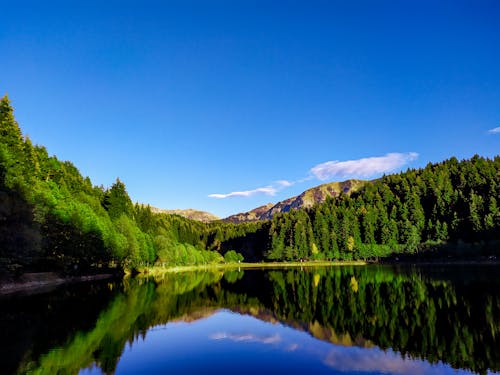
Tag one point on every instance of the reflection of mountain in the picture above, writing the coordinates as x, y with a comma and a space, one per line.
194, 316
315, 329
416, 315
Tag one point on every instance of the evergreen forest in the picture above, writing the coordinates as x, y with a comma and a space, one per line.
54, 219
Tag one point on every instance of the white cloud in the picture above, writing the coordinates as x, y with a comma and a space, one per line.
268, 190
363, 168
285, 183
494, 130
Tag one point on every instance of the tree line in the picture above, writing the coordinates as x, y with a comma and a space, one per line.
53, 218
450, 206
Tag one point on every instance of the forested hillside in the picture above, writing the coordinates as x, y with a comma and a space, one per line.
450, 206
53, 218
447, 209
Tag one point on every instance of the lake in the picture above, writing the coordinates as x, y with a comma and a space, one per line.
340, 320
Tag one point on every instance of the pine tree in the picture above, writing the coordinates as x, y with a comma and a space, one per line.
117, 201
10, 133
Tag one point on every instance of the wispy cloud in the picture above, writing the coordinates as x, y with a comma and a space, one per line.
494, 130
285, 183
365, 167
360, 168
268, 190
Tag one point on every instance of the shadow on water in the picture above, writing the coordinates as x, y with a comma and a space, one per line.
447, 314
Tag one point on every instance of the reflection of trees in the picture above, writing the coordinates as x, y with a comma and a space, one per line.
231, 276
417, 317
130, 314
31, 326
422, 317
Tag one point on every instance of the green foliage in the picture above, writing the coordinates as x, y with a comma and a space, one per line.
52, 218
233, 257
449, 202
116, 201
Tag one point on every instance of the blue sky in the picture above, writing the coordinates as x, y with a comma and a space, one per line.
227, 105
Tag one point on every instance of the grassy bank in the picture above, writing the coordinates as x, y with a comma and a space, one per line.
231, 266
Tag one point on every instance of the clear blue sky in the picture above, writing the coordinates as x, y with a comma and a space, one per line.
182, 100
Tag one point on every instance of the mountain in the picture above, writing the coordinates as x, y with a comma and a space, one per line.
254, 215
52, 219
307, 199
205, 217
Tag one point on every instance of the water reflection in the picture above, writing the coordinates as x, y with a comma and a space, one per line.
343, 319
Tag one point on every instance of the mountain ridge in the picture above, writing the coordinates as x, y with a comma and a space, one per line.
188, 213
306, 199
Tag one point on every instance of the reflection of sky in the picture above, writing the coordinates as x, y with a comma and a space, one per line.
226, 342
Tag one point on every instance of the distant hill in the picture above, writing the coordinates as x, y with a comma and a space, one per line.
205, 217
307, 199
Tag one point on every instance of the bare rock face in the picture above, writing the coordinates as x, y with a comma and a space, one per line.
307, 199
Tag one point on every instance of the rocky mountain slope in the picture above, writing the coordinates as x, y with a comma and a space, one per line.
189, 213
307, 199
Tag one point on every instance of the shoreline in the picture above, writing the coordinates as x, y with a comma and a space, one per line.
151, 271
42, 281
148, 271
36, 282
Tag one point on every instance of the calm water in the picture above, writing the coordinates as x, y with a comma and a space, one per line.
348, 320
